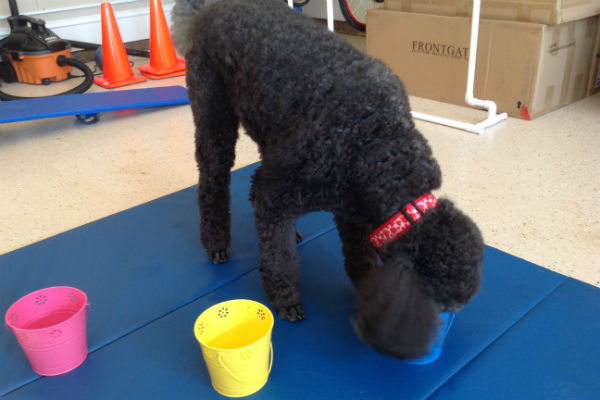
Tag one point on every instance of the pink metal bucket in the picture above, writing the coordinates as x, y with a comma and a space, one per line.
50, 326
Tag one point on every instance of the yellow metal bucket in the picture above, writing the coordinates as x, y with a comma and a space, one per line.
235, 338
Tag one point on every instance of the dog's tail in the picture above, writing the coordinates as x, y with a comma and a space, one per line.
182, 16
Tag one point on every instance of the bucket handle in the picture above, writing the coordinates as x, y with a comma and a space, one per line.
244, 380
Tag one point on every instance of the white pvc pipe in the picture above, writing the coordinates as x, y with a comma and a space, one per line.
469, 98
489, 105
329, 12
448, 122
330, 15
465, 126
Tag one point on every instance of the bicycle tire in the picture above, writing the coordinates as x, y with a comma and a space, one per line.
355, 11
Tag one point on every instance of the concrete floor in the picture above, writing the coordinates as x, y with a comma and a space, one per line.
532, 186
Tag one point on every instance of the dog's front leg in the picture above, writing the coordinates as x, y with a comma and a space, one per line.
280, 266
360, 256
277, 236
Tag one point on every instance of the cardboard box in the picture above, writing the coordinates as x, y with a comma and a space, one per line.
542, 11
594, 81
528, 69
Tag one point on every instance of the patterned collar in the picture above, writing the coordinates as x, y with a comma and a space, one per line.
403, 220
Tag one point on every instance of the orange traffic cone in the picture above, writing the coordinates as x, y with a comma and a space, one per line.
163, 60
117, 71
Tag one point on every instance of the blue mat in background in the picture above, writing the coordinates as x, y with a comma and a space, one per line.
91, 103
529, 333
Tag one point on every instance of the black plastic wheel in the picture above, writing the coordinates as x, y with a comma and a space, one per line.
355, 11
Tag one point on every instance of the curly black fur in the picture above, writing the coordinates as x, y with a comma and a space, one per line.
335, 133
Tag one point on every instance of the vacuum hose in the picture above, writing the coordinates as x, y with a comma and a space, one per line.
62, 61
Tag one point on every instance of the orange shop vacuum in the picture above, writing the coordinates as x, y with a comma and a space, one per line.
33, 54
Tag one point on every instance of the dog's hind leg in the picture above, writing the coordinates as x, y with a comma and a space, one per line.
216, 135
360, 256
275, 217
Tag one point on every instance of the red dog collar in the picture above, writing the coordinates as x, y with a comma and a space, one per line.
398, 225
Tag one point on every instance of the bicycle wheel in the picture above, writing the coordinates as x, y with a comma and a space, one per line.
355, 11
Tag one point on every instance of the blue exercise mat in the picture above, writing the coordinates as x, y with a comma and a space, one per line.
91, 103
529, 333
135, 267
552, 353
320, 357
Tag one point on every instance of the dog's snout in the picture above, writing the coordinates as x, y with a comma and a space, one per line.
394, 349
359, 328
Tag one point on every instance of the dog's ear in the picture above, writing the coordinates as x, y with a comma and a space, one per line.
448, 252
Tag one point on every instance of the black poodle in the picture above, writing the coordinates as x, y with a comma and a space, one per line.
335, 133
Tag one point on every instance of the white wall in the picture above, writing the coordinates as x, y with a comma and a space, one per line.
318, 9
81, 20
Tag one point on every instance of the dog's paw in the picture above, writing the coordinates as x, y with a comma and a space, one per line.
298, 236
292, 314
218, 256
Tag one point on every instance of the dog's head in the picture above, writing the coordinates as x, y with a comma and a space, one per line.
434, 267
